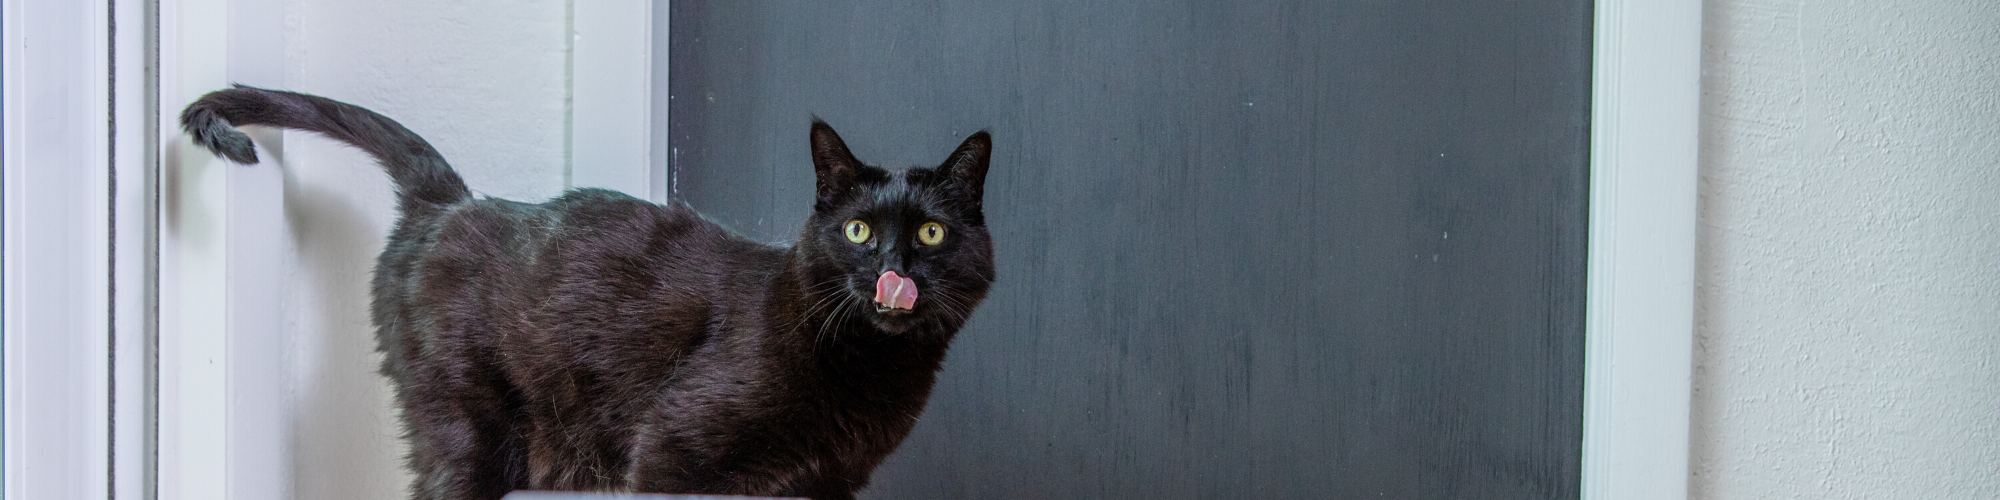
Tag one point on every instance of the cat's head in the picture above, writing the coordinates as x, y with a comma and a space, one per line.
908, 248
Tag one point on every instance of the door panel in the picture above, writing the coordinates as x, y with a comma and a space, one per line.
1246, 249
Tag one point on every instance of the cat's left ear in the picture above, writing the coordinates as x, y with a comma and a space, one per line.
967, 166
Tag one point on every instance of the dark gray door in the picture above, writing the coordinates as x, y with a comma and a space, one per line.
1252, 249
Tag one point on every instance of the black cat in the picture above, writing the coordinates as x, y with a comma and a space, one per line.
600, 342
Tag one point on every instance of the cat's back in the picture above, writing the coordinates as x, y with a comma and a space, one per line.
600, 238
590, 258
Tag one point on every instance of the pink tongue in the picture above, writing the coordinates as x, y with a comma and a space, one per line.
894, 291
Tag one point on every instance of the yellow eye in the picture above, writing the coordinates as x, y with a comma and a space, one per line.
857, 231
931, 233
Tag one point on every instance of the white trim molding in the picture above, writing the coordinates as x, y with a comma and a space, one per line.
193, 264
224, 419
611, 116
78, 202
56, 250
1640, 311
135, 249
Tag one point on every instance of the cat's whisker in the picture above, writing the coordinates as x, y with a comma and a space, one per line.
949, 300
838, 312
834, 289
836, 307
961, 304
807, 316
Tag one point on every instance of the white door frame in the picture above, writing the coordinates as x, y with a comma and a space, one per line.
77, 248
81, 243
1639, 320
611, 86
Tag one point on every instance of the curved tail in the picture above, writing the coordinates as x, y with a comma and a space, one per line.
420, 173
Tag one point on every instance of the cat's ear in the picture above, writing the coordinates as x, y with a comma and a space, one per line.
836, 168
967, 166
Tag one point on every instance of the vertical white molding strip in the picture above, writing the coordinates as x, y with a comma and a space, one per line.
256, 240
56, 249
1640, 320
13, 472
224, 421
193, 422
224, 416
133, 243
13, 288
610, 83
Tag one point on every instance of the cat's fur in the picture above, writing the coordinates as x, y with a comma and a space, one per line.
600, 342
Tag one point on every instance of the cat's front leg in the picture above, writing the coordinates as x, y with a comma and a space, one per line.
655, 466
460, 459
675, 463
461, 445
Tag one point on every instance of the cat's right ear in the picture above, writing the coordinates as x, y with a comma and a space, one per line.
836, 168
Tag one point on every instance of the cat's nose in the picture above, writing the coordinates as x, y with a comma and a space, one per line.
892, 266
891, 261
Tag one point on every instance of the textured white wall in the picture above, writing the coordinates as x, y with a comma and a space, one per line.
1848, 303
484, 82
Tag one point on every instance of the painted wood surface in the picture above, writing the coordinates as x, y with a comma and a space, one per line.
1246, 249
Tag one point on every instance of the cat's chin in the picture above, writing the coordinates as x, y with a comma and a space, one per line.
892, 321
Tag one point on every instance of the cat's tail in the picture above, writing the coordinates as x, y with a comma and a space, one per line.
420, 173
